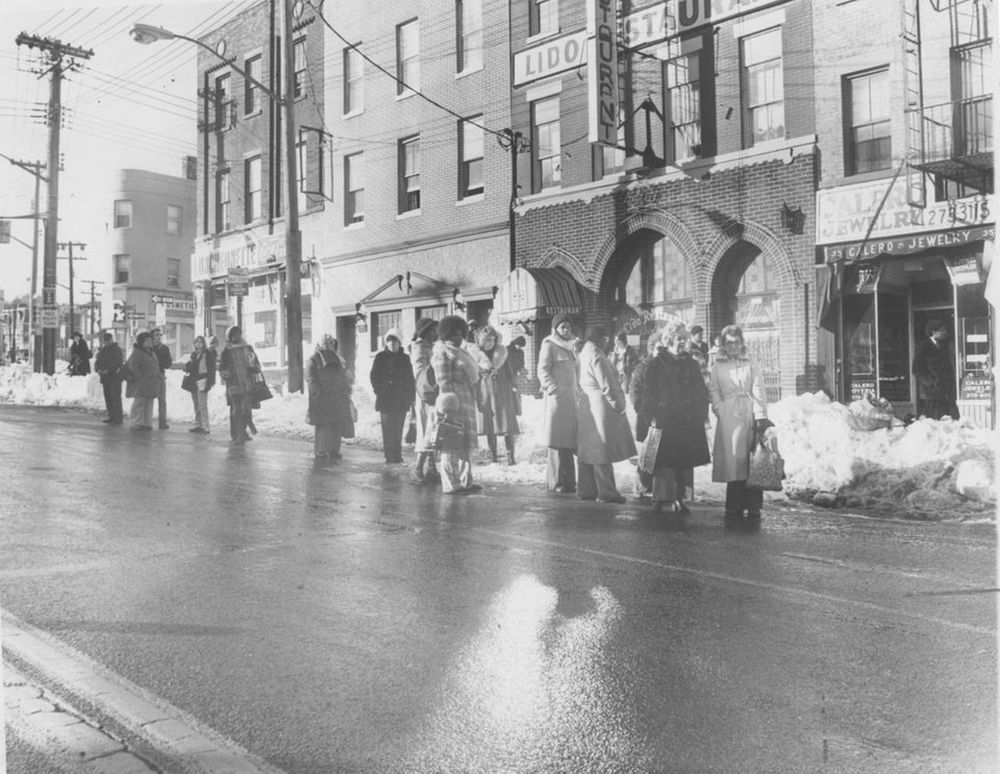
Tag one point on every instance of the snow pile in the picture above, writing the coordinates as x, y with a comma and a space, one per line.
928, 470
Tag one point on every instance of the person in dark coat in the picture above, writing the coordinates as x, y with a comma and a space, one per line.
643, 488
108, 365
79, 356
392, 380
934, 369
236, 370
144, 383
200, 378
515, 354
329, 400
624, 358
676, 401
497, 392
165, 359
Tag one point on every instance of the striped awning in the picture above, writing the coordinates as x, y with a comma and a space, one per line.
533, 294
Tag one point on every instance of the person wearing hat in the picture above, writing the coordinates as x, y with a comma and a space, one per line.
79, 356
236, 368
421, 348
329, 390
108, 365
457, 375
392, 381
497, 392
560, 385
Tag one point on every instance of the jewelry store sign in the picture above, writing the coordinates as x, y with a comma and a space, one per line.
206, 264
911, 243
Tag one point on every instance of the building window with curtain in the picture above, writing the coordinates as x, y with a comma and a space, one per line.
222, 221
122, 262
470, 157
546, 167
409, 174
123, 213
469, 18
763, 87
173, 272
354, 189
299, 67
869, 130
354, 73
683, 76
382, 323
174, 219
223, 102
253, 196
543, 17
407, 58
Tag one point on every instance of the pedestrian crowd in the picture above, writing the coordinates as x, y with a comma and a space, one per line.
455, 383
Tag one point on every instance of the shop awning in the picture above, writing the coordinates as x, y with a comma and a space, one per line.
532, 294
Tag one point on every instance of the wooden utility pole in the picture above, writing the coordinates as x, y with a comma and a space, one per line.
61, 57
93, 304
72, 308
34, 348
515, 143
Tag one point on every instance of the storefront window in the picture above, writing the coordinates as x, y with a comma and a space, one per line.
973, 344
265, 328
859, 354
893, 347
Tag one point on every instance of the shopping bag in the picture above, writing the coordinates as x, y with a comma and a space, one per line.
260, 391
447, 435
647, 455
767, 467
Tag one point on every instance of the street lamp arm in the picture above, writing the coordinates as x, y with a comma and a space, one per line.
147, 33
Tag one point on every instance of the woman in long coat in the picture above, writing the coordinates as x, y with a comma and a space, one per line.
329, 400
236, 370
392, 380
457, 376
79, 356
738, 402
144, 381
560, 386
497, 398
201, 368
421, 347
676, 401
604, 436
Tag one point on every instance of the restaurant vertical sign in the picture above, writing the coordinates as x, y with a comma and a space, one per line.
602, 71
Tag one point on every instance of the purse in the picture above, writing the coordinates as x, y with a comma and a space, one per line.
647, 457
767, 467
260, 391
447, 435
188, 383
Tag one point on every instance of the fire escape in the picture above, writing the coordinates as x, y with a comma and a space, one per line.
950, 143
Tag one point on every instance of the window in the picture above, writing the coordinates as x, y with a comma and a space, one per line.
683, 76
265, 328
173, 272
660, 277
469, 24
252, 185
223, 103
409, 174
763, 87
432, 312
222, 222
251, 94
869, 140
543, 16
121, 268
299, 66
354, 188
174, 219
546, 167
354, 94
470, 157
407, 57
123, 213
973, 113
301, 169
382, 323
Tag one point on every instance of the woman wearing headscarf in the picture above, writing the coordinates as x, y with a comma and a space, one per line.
144, 381
604, 436
79, 356
558, 378
497, 399
236, 369
738, 401
423, 404
675, 400
329, 400
457, 375
200, 375
392, 380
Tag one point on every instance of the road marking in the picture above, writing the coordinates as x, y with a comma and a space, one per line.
168, 731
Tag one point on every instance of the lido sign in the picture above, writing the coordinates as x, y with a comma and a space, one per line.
553, 56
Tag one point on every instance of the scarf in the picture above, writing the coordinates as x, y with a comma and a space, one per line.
490, 361
569, 346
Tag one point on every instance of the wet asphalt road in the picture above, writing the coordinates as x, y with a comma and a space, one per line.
342, 619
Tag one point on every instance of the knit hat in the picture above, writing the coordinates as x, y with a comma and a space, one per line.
393, 333
559, 318
233, 333
423, 325
451, 326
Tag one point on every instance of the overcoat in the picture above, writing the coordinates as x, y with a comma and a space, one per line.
675, 396
604, 435
560, 385
737, 395
329, 392
426, 392
497, 403
79, 358
392, 380
238, 364
108, 362
146, 377
202, 367
934, 369
456, 372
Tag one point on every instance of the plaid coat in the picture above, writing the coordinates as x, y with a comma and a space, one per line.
456, 372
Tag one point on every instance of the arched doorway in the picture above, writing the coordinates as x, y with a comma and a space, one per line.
745, 292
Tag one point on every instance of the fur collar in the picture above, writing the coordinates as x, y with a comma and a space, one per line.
485, 363
460, 356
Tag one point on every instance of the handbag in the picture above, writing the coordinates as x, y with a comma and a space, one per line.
411, 433
447, 435
188, 383
767, 467
260, 391
647, 457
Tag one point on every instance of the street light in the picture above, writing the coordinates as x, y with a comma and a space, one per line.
147, 34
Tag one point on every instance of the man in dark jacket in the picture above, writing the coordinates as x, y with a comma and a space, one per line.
934, 369
165, 359
108, 366
393, 383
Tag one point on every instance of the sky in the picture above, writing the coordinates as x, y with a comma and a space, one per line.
127, 106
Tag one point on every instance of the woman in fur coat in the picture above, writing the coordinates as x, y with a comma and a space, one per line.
497, 396
457, 377
329, 400
421, 347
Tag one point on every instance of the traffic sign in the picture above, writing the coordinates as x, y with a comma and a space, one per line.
136, 315
50, 316
238, 281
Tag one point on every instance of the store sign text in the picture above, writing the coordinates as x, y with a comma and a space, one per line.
665, 20
553, 57
913, 243
214, 263
602, 73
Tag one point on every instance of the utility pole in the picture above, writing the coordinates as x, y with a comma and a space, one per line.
515, 143
57, 52
92, 302
34, 349
293, 237
72, 307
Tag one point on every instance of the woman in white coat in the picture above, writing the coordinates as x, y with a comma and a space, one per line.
558, 377
739, 405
